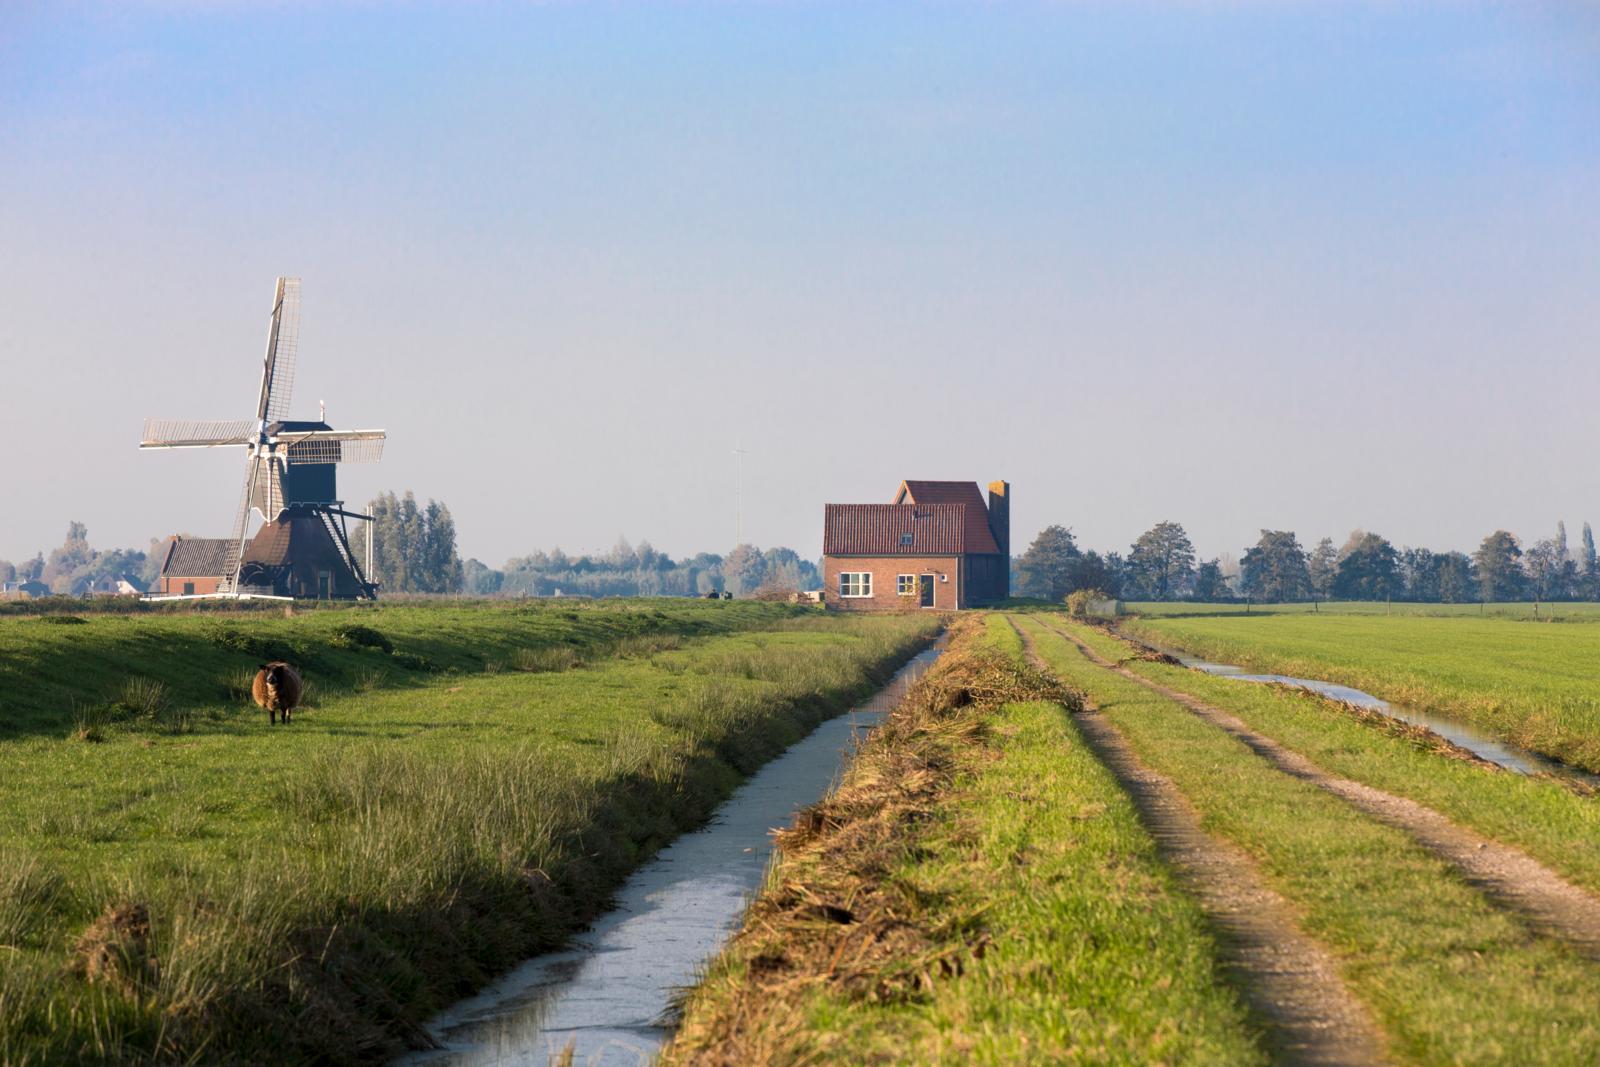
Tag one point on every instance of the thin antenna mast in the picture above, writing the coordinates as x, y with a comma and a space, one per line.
738, 509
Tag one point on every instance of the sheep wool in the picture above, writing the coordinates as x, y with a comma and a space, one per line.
277, 688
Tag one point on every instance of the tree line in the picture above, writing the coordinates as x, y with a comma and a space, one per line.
642, 571
1161, 565
414, 551
73, 567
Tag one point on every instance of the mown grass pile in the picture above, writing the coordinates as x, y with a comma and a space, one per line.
237, 893
976, 890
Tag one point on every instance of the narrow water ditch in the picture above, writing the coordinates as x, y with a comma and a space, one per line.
1457, 732
609, 994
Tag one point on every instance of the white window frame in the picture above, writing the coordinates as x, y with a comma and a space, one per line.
900, 585
863, 583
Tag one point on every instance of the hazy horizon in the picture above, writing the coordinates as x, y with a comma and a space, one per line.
1237, 266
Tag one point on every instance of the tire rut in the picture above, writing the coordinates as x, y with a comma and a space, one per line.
1289, 980
1507, 875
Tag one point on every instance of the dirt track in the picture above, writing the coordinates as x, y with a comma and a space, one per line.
1506, 874
1290, 980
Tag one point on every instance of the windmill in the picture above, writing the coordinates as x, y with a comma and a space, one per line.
303, 547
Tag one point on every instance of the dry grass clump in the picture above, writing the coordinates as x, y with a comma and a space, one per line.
834, 912
115, 949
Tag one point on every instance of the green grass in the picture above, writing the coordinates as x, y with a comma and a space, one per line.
1450, 977
1551, 823
314, 891
1545, 611
50, 670
1095, 954
1533, 685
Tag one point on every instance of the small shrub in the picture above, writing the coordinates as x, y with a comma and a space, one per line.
412, 662
238, 685
546, 660
1078, 601
89, 721
143, 698
646, 644
264, 649
371, 680
353, 635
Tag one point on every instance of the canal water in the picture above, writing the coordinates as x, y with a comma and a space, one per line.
1453, 730
609, 994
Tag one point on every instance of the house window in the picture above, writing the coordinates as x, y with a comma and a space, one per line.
188, 589
905, 540
905, 585
855, 583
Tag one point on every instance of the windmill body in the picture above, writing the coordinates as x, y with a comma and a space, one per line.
290, 481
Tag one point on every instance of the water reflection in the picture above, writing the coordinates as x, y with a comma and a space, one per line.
1453, 730
607, 995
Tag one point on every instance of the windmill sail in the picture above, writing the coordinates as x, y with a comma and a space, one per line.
283, 346
333, 446
196, 433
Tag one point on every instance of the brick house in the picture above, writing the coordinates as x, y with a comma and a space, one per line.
192, 566
939, 545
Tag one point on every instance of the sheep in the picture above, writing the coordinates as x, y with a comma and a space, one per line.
277, 688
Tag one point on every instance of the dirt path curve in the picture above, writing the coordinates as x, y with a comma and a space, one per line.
1507, 875
1289, 980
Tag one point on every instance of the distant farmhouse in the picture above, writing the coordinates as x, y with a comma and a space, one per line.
192, 566
109, 585
938, 545
23, 590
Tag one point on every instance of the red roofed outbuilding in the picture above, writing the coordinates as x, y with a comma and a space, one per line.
939, 545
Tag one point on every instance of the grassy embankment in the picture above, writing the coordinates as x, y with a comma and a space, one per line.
978, 889
180, 881
1535, 686
1541, 816
1450, 977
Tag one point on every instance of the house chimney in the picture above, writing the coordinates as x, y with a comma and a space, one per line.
1000, 524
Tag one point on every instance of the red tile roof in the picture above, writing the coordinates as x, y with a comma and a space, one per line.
879, 530
979, 538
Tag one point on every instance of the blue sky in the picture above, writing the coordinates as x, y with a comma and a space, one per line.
1236, 265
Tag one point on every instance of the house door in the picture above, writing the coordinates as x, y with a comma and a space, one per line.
324, 585
926, 585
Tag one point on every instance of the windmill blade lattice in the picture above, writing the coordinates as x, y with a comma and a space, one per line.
333, 446
197, 433
283, 347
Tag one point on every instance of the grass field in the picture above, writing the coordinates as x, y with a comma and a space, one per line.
1050, 928
1557, 826
1537, 686
1560, 612
1046, 927
1450, 977
180, 881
